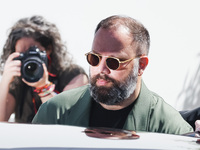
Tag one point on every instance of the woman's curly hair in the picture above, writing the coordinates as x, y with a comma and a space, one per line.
46, 34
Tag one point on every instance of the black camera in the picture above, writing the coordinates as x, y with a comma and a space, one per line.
32, 60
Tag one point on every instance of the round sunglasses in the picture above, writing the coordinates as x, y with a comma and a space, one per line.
112, 63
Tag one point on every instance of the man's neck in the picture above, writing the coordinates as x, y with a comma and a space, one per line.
127, 101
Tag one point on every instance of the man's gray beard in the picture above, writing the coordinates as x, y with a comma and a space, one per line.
119, 92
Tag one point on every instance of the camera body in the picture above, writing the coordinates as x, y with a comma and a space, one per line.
32, 60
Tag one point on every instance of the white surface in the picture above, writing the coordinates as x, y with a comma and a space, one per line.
173, 26
25, 136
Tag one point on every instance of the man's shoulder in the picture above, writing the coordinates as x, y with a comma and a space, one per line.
158, 104
171, 120
150, 96
70, 97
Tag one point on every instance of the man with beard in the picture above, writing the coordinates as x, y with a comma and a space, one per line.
116, 96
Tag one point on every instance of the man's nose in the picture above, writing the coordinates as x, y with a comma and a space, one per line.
103, 67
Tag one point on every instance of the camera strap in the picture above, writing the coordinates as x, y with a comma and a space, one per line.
51, 74
34, 105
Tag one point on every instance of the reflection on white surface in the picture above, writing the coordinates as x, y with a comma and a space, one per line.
12, 118
27, 136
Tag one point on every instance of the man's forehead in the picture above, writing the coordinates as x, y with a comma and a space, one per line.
116, 28
113, 41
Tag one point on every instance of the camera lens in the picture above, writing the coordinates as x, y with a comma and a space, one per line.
32, 70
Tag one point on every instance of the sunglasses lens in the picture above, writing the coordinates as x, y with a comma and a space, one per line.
92, 59
112, 63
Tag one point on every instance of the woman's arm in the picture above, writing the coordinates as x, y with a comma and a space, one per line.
7, 101
77, 81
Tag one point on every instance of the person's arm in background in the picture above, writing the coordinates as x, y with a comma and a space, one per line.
77, 81
192, 117
197, 125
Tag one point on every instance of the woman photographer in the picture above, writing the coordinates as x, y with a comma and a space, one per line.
23, 97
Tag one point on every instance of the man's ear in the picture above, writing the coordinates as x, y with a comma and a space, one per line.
143, 62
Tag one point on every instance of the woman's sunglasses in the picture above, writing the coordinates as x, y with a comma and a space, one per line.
111, 62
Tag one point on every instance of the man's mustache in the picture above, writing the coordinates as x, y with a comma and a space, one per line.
104, 77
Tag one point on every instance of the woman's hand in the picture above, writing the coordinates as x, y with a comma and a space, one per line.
12, 68
42, 82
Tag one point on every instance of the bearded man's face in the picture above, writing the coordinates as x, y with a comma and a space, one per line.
118, 91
